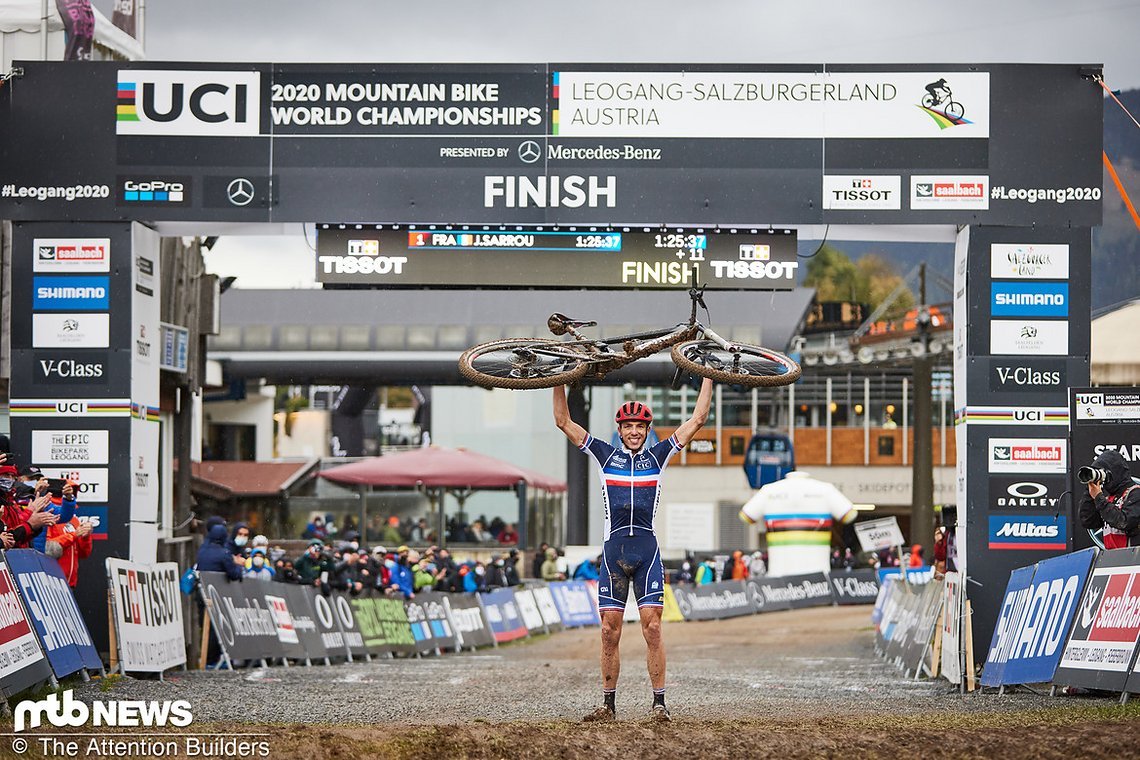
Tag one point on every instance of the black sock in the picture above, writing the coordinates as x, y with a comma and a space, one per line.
658, 697
608, 698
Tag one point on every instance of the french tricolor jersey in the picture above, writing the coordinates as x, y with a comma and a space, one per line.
631, 483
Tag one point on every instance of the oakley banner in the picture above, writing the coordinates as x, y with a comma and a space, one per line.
552, 143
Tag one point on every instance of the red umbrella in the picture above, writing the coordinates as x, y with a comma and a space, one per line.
439, 467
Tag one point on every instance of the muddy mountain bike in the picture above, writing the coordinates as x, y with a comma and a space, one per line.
526, 363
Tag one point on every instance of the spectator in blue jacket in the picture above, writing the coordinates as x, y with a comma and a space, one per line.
63, 506
401, 582
213, 556
587, 569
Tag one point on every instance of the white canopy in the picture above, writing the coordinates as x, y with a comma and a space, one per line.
1115, 347
25, 16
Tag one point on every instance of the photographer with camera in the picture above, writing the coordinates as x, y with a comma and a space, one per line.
1112, 502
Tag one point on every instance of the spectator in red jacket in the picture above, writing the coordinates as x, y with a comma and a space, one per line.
22, 522
68, 544
509, 536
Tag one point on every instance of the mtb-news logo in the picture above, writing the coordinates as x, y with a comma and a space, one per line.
64, 711
949, 192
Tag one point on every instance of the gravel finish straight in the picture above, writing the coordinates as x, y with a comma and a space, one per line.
782, 665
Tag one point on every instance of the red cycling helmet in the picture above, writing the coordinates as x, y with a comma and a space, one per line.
633, 411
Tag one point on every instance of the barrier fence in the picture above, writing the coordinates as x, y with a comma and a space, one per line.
1067, 621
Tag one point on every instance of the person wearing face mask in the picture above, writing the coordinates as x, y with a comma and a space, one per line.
239, 540
401, 583
496, 573
1112, 502
259, 568
314, 567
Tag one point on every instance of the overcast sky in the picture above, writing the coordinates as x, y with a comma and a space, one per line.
675, 31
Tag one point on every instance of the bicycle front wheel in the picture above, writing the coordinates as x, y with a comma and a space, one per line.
955, 110
522, 364
749, 366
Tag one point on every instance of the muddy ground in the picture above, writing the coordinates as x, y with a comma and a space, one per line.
788, 684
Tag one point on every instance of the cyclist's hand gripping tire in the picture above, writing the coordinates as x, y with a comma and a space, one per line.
522, 364
757, 366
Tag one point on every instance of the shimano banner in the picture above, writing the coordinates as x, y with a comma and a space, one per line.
1035, 619
1098, 654
575, 603
53, 611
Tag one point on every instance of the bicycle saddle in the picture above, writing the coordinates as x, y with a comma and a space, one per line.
559, 324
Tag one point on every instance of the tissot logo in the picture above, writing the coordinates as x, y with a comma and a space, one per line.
201, 103
848, 191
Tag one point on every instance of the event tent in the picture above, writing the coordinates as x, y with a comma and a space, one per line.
436, 470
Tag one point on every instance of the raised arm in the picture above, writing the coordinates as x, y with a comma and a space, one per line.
575, 432
690, 426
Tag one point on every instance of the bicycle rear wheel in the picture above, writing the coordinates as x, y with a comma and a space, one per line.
522, 364
751, 366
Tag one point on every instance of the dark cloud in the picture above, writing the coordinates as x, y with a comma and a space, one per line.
1045, 31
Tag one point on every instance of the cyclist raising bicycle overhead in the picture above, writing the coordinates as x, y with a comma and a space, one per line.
631, 491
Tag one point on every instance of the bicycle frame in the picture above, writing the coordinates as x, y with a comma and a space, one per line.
634, 346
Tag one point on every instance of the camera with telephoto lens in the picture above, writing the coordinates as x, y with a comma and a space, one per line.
1091, 475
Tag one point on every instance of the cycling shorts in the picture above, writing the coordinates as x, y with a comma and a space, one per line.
634, 558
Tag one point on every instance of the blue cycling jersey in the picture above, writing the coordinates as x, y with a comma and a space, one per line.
631, 483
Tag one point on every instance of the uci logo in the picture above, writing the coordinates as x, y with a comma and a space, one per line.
1090, 398
204, 103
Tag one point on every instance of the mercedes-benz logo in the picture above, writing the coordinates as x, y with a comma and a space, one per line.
220, 619
240, 191
529, 152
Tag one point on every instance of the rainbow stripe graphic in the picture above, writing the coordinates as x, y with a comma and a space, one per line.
126, 110
144, 412
996, 415
942, 120
70, 407
554, 95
